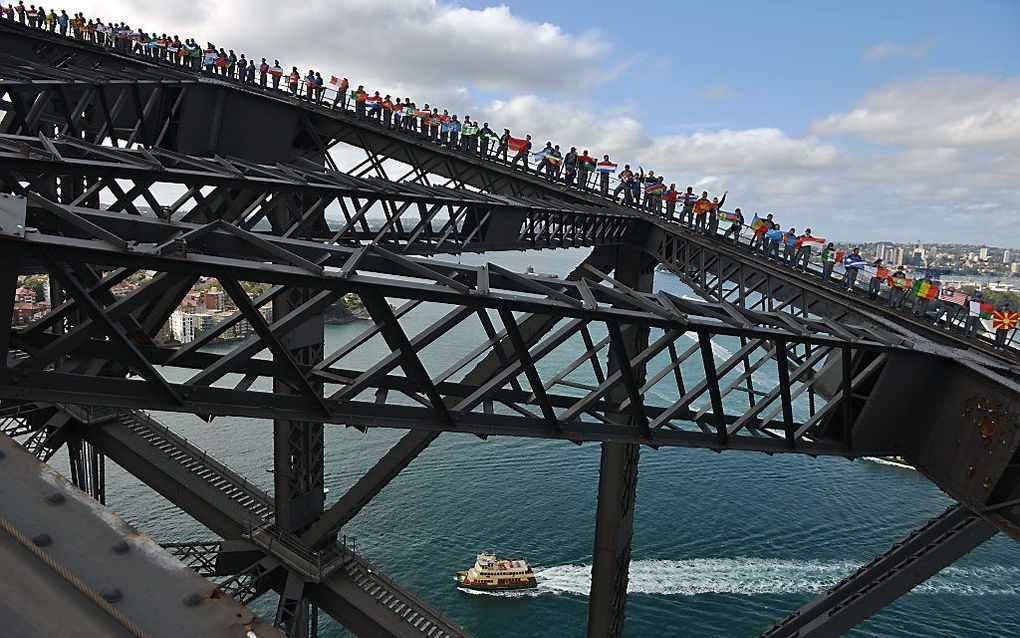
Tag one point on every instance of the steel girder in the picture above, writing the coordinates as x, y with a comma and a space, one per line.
719, 271
559, 407
228, 504
138, 113
910, 562
402, 217
685, 252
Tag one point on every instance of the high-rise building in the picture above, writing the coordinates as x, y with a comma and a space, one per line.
983, 253
898, 254
182, 326
1006, 256
213, 299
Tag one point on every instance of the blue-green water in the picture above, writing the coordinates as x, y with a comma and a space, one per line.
724, 544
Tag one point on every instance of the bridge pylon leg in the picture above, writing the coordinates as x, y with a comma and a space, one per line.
926, 551
614, 522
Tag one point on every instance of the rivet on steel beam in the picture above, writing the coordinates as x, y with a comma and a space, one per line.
112, 594
42, 540
192, 600
120, 547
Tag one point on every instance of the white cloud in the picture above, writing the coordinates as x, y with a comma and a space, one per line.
399, 44
759, 150
943, 111
567, 124
890, 49
718, 92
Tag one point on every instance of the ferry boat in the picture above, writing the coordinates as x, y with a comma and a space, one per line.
491, 573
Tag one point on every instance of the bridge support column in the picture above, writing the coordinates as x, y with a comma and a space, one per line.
614, 522
299, 445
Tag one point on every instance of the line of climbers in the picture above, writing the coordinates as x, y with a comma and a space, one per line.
928, 300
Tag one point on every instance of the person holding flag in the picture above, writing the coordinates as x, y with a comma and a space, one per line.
435, 122
192, 55
387, 111
670, 197
455, 127
555, 163
359, 100
523, 149
689, 199
625, 176
374, 105
653, 195
774, 238
445, 125
605, 168
736, 219
408, 118
1004, 320
341, 94
713, 219
398, 114
701, 209
804, 245
828, 261
789, 246
852, 263
485, 135
570, 166
635, 186
898, 283
242, 68
263, 73
585, 167
542, 158
924, 291
276, 72
469, 136
875, 282
977, 300
310, 86
503, 145
759, 227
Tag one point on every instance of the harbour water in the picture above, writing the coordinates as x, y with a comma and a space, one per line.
724, 544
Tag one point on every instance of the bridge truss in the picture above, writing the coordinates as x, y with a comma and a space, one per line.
106, 173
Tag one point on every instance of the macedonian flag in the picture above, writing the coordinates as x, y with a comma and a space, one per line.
1003, 320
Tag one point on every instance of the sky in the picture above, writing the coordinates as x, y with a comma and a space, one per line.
866, 121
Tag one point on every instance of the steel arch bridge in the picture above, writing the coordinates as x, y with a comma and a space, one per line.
106, 171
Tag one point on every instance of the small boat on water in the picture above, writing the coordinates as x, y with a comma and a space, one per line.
490, 573
896, 461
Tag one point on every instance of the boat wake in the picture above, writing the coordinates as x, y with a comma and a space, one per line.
880, 461
755, 576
